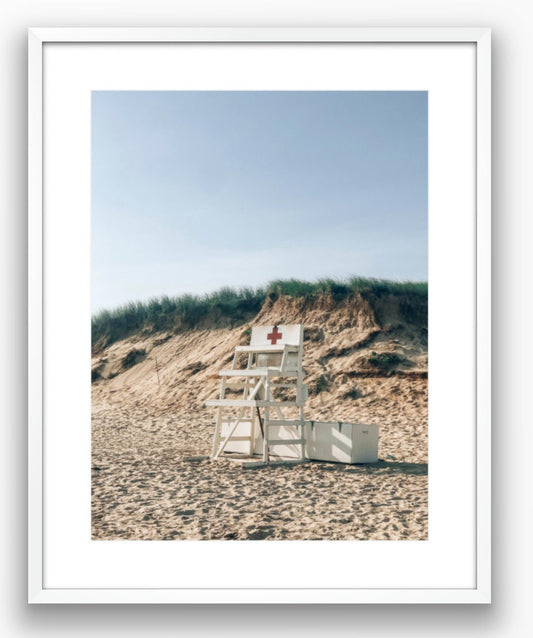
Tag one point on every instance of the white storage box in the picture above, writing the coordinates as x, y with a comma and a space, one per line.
341, 442
325, 441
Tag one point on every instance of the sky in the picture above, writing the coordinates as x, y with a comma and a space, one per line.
193, 191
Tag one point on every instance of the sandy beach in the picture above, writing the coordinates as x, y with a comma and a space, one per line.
149, 417
144, 488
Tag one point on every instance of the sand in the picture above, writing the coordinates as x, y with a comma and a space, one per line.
145, 488
148, 419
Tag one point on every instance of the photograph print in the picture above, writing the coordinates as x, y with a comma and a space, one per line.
259, 301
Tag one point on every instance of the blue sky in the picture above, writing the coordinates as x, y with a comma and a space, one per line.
192, 191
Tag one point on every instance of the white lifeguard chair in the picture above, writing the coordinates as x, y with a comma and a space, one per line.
273, 370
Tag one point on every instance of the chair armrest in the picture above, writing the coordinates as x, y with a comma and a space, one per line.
266, 349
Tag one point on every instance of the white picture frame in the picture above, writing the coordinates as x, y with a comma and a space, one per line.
43, 501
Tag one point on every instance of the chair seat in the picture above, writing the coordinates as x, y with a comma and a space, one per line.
267, 349
258, 372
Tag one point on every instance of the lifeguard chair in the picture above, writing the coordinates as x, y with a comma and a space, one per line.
257, 422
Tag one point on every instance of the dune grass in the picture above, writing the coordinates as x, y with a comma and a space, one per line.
227, 306
174, 313
344, 288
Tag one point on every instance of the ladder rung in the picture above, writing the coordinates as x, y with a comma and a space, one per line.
285, 442
243, 403
239, 438
295, 423
284, 385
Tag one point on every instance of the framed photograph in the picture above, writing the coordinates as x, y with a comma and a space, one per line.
259, 315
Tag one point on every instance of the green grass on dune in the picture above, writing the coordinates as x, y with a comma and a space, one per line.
344, 288
227, 305
173, 313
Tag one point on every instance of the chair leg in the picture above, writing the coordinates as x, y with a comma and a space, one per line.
302, 434
216, 438
266, 422
252, 433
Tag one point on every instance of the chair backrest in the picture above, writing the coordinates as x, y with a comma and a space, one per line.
280, 335
277, 335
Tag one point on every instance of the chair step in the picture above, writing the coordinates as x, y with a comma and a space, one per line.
285, 442
244, 403
294, 423
266, 349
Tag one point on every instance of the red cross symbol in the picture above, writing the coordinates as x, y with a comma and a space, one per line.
274, 336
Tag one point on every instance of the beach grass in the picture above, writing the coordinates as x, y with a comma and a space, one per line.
230, 306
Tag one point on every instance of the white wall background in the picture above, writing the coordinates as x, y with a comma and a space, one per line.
510, 614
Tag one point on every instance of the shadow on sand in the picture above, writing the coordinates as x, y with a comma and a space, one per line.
381, 467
